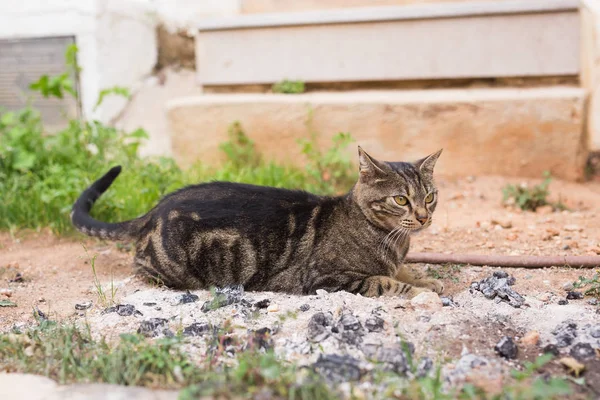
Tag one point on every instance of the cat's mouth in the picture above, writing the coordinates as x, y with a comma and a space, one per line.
413, 226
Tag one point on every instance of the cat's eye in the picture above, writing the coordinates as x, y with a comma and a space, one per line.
401, 200
429, 198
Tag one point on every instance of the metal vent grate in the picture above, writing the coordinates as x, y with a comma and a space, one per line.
23, 61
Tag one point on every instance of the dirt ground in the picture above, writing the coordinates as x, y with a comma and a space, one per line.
470, 218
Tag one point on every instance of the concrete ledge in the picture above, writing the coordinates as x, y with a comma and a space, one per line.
513, 132
441, 41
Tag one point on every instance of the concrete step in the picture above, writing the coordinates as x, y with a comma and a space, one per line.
512, 132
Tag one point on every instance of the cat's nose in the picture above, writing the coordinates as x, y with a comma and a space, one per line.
422, 219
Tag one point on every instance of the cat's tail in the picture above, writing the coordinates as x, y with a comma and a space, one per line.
81, 219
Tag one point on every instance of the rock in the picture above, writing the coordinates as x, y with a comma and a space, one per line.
319, 327
321, 292
338, 369
374, 323
154, 327
531, 338
262, 304
497, 287
563, 302
349, 329
392, 358
593, 302
427, 301
507, 348
6, 292
273, 308
567, 286
188, 298
196, 329
424, 367
448, 302
304, 307
506, 224
223, 297
551, 349
83, 306
572, 228
565, 333
574, 295
124, 310
149, 304
595, 331
582, 351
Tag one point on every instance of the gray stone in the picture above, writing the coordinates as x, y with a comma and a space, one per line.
582, 351
374, 323
507, 348
595, 331
338, 369
319, 326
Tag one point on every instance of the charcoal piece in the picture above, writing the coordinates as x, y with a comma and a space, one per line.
154, 327
574, 295
149, 304
392, 358
374, 324
124, 310
565, 333
507, 348
196, 329
497, 287
319, 327
551, 349
188, 298
563, 302
246, 303
262, 304
349, 330
39, 314
304, 307
338, 369
583, 351
448, 302
424, 367
223, 297
83, 306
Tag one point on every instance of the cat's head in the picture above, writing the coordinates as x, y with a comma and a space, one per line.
397, 195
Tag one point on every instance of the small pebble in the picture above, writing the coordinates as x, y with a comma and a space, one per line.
188, 298
427, 301
321, 292
595, 331
582, 351
273, 308
262, 303
507, 348
6, 292
551, 349
563, 302
531, 338
83, 306
593, 302
568, 286
304, 307
574, 295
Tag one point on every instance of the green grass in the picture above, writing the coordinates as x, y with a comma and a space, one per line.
68, 354
530, 198
591, 286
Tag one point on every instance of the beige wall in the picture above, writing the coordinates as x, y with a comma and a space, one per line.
268, 6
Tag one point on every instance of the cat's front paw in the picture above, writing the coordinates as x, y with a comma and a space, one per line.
431, 284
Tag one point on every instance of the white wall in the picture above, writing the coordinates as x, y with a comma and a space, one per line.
116, 38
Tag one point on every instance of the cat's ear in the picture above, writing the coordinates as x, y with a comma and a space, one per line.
368, 165
427, 164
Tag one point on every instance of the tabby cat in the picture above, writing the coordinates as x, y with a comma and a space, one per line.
269, 239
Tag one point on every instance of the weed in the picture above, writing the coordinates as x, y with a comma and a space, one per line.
102, 299
529, 199
592, 285
289, 87
446, 271
50, 171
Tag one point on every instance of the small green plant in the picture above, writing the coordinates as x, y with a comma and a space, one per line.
102, 298
446, 271
591, 285
530, 198
289, 87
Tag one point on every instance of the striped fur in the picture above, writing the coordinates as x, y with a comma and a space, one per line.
221, 233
